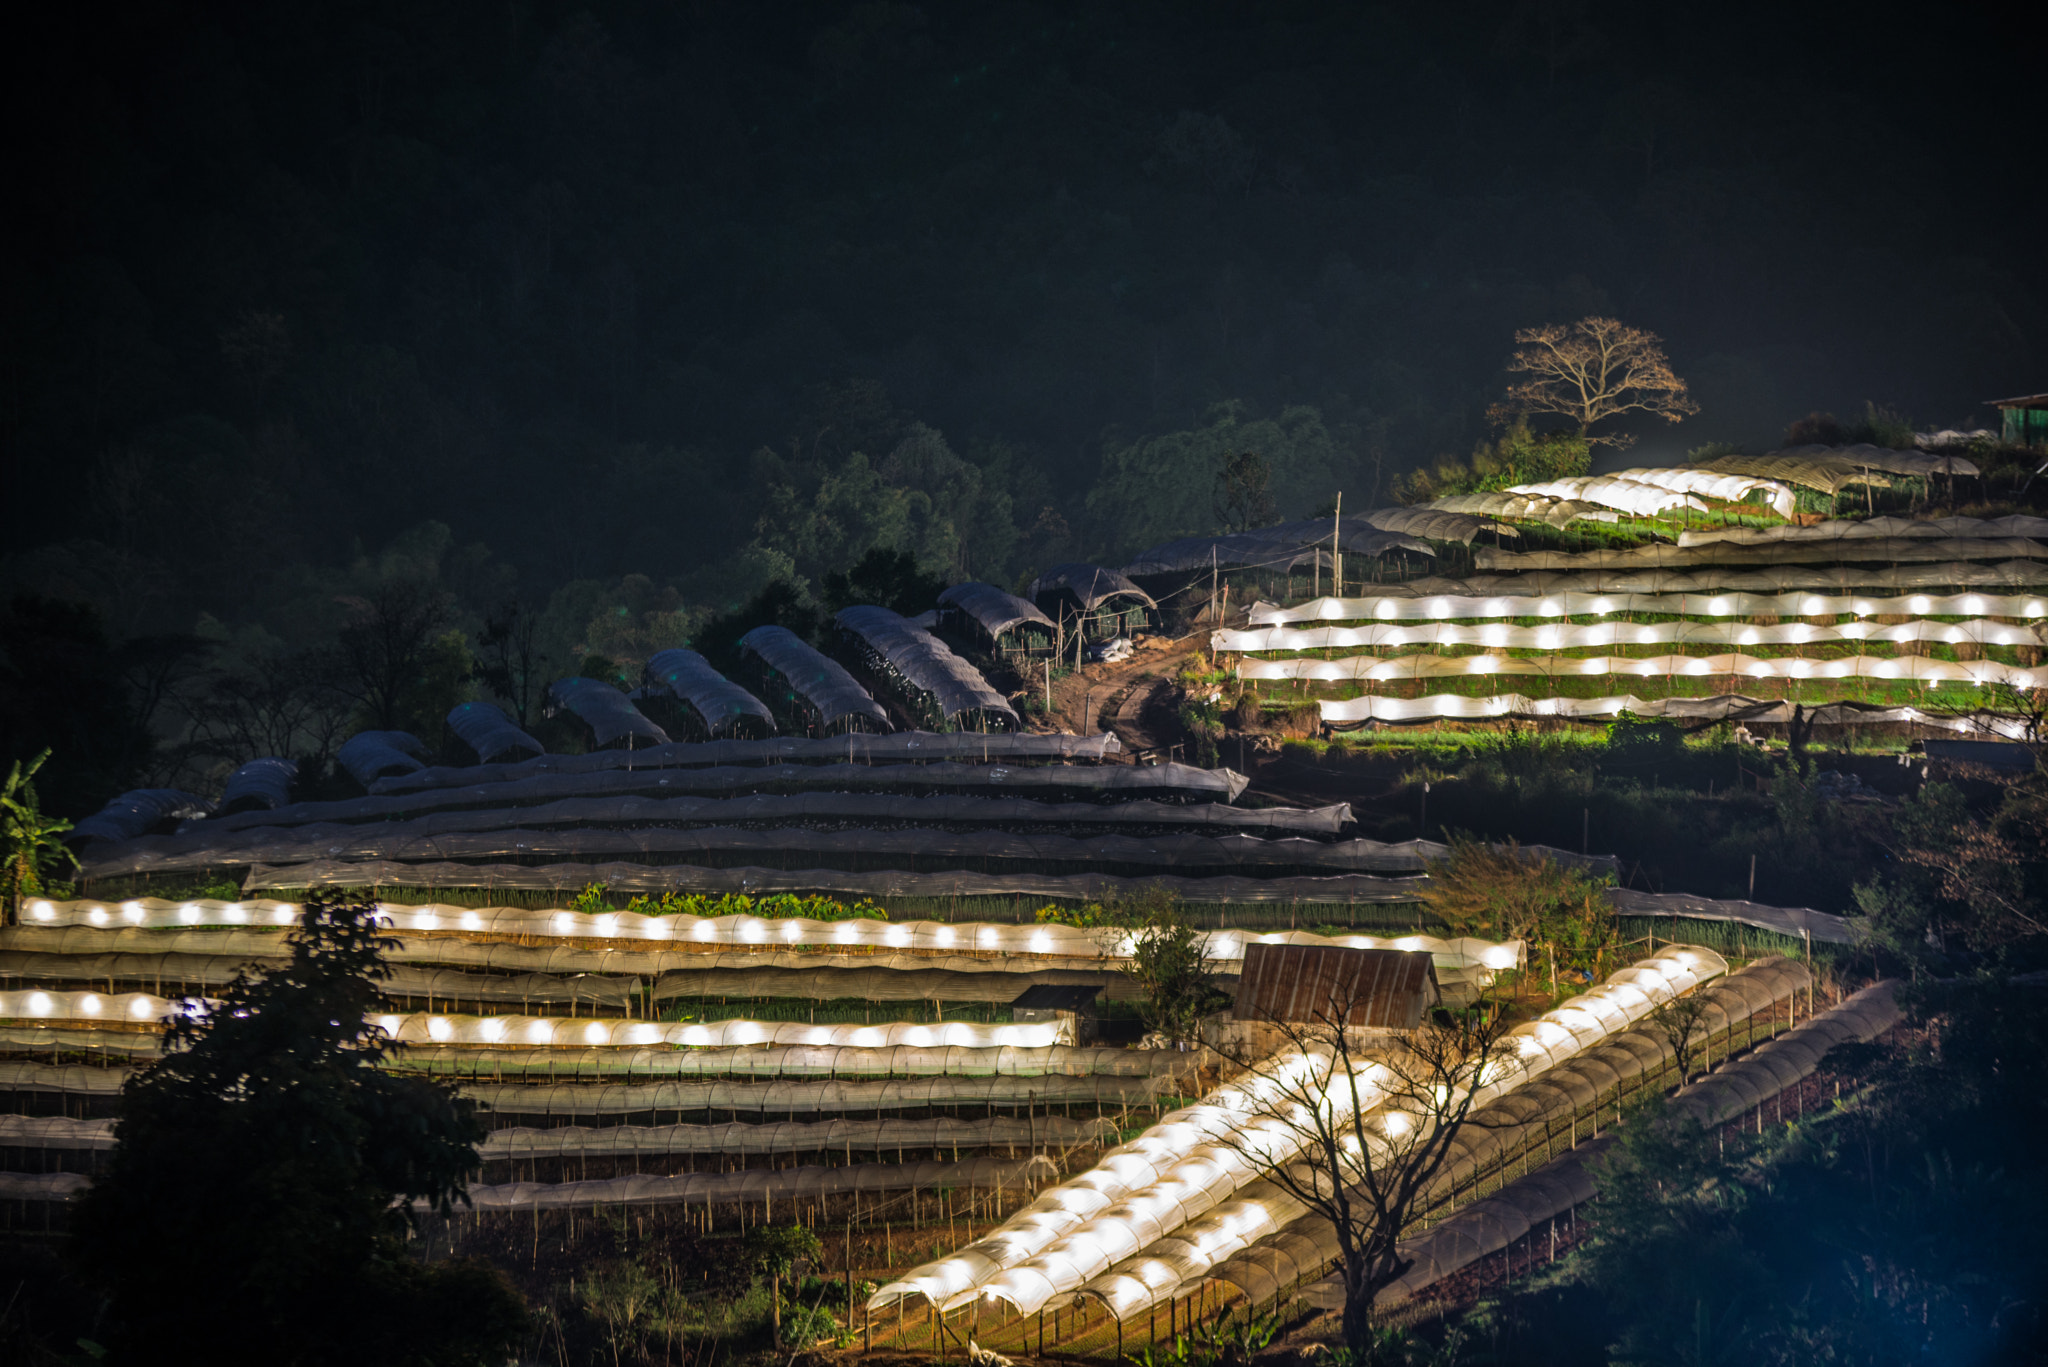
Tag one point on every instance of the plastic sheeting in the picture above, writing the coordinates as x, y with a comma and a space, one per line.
1720, 707
522, 1143
486, 729
1876, 528
1725, 488
132, 813
929, 666
1861, 456
993, 610
1896, 550
1196, 1158
1168, 1267
725, 707
852, 748
371, 755
1355, 889
209, 972
1810, 467
809, 1096
1488, 1226
1558, 512
1793, 921
839, 701
747, 1185
1090, 585
1590, 636
1123, 782
1899, 668
1285, 546
987, 850
1431, 525
820, 1062
608, 713
835, 807
69, 928
1420, 607
261, 783
766, 1185
1613, 491
1277, 1262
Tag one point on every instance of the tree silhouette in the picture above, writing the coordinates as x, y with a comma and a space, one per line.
1597, 368
265, 1175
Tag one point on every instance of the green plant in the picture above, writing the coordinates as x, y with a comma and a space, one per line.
32, 842
593, 900
776, 1252
1169, 962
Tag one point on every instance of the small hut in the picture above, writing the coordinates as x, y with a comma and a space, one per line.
1013, 627
1097, 603
1072, 1007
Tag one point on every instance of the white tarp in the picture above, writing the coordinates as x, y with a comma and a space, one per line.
1901, 668
1509, 636
1441, 607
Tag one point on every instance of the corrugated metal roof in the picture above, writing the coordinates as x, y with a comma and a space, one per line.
1383, 989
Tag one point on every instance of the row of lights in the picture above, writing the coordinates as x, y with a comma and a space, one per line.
897, 934
1443, 609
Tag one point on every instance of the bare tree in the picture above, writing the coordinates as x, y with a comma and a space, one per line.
290, 706
383, 649
1594, 369
1682, 1022
1358, 1127
508, 661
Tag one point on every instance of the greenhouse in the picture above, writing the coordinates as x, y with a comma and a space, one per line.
853, 747
137, 812
371, 755
824, 698
260, 785
721, 708
1013, 627
485, 729
613, 720
943, 691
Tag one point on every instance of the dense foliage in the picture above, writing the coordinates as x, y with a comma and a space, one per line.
648, 306
260, 1193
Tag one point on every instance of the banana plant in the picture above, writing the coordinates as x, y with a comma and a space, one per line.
32, 842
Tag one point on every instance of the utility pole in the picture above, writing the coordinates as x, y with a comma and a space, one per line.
1337, 547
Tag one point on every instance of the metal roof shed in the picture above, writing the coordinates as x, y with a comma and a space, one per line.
724, 709
1304, 985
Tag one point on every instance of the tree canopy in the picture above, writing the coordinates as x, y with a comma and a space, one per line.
259, 1194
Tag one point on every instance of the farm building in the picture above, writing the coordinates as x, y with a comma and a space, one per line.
2023, 421
1091, 601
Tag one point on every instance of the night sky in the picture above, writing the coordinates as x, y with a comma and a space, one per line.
304, 282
